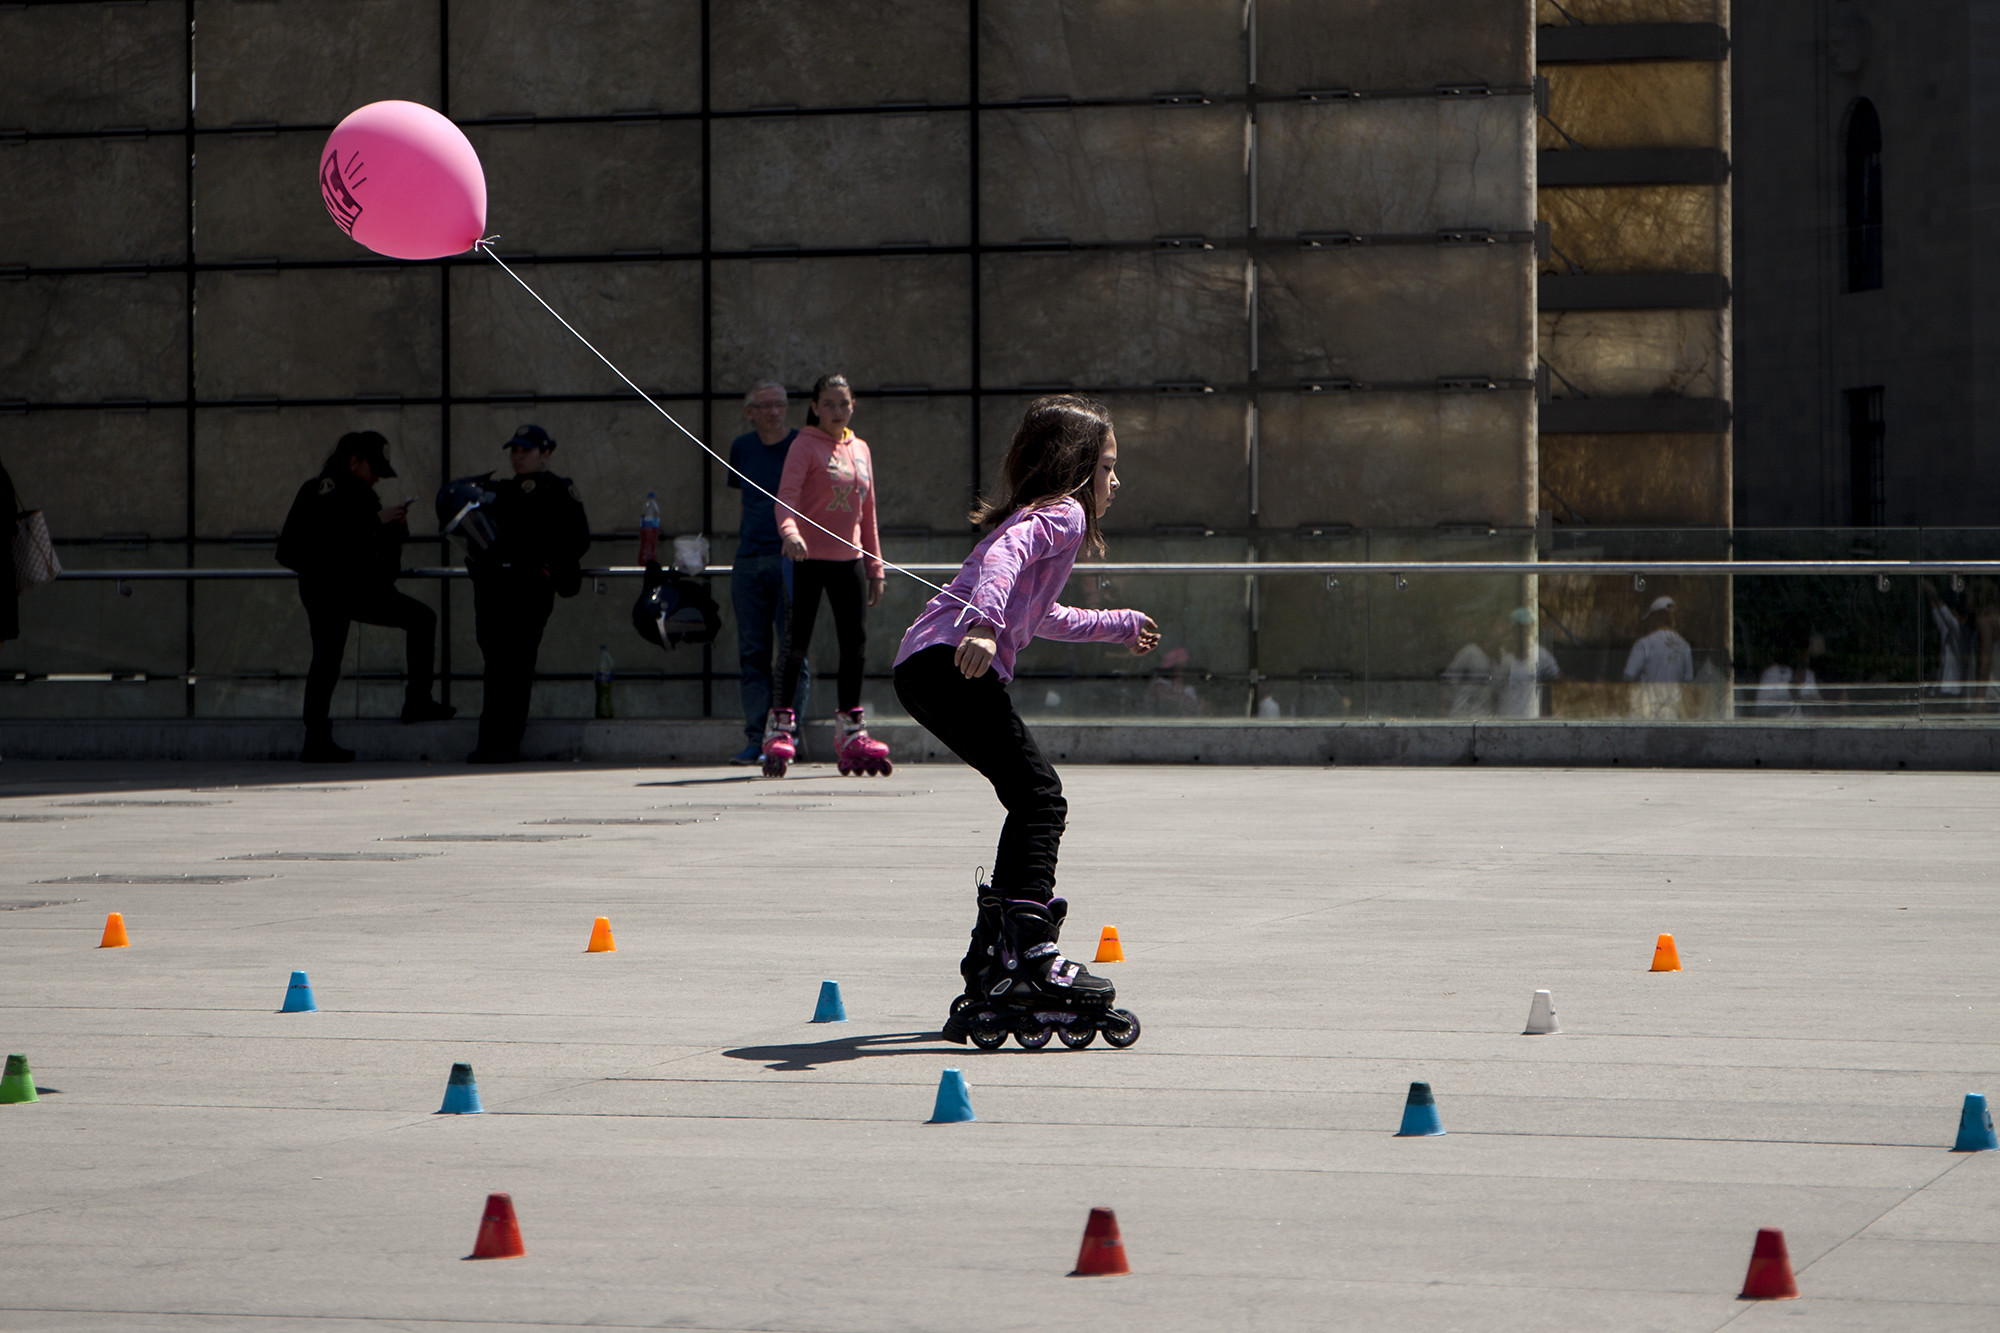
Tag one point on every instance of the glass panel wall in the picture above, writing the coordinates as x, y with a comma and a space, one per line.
1394, 632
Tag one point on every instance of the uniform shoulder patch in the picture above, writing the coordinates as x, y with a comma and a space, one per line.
326, 485
573, 495
528, 486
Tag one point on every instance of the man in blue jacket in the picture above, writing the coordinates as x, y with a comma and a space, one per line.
758, 589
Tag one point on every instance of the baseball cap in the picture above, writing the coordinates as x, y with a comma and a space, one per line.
1660, 604
370, 447
530, 437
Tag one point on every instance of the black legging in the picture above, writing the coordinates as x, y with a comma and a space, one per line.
843, 583
328, 612
977, 722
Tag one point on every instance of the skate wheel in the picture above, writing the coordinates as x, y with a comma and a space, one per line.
1033, 1037
886, 769
988, 1032
1076, 1036
958, 1003
1121, 1028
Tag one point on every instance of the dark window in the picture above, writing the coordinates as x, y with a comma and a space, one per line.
1867, 502
1864, 198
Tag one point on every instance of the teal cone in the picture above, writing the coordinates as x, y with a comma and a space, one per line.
1420, 1114
954, 1103
299, 996
461, 1094
1975, 1126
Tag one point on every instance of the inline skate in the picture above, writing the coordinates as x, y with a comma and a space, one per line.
1020, 983
781, 742
856, 752
985, 940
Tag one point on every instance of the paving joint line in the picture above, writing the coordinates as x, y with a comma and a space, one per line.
1834, 1248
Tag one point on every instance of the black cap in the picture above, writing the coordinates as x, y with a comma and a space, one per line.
367, 445
530, 437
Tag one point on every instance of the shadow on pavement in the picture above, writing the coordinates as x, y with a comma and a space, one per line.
813, 1054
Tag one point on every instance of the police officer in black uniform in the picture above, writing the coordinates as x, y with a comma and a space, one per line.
537, 553
348, 548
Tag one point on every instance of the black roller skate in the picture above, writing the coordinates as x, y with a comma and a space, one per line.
979, 956
1029, 989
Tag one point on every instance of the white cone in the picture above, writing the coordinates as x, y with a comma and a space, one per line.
1542, 1016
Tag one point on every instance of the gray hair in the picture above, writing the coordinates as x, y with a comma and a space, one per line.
759, 387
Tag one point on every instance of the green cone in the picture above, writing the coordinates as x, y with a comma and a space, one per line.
18, 1085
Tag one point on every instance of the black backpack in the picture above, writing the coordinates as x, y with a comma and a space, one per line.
674, 609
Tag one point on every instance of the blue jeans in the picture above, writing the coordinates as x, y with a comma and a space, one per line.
760, 591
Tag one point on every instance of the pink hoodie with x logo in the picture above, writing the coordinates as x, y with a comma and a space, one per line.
833, 484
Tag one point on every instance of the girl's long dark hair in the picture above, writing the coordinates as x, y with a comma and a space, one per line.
821, 384
1053, 456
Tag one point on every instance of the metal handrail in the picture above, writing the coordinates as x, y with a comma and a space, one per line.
1329, 568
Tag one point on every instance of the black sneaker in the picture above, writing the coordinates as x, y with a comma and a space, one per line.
492, 757
325, 752
428, 710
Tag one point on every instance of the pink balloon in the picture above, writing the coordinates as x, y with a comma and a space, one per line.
404, 181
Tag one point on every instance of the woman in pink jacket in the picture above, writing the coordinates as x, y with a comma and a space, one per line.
952, 672
826, 525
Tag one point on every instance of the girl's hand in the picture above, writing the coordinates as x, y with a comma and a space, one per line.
875, 587
1149, 638
793, 545
975, 652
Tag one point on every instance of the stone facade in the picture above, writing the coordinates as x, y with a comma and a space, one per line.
1291, 241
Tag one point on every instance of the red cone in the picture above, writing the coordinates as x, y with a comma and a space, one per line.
1103, 1251
499, 1232
1770, 1276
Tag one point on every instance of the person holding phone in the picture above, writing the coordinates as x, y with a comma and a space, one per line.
347, 548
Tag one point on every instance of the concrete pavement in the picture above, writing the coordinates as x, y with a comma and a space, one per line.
685, 1150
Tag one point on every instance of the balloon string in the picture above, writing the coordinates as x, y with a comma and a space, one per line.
747, 481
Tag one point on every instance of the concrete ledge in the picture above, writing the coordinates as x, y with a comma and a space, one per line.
1969, 747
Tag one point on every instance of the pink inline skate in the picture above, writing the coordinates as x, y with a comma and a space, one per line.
859, 753
781, 741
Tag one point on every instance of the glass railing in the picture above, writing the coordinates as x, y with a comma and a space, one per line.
1313, 625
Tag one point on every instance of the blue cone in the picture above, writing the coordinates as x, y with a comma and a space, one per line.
461, 1094
299, 996
830, 1010
1420, 1114
1975, 1126
954, 1103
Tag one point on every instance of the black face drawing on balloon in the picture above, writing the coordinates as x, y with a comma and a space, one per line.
340, 202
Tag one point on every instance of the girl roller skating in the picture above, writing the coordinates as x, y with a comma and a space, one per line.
951, 674
829, 478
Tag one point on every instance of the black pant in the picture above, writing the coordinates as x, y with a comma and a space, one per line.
509, 615
328, 612
977, 721
844, 585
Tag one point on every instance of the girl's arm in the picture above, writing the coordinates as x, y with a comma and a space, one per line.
871, 537
1070, 624
1025, 541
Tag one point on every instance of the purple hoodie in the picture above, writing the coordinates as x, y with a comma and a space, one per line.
1011, 580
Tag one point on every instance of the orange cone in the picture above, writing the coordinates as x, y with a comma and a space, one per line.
1103, 1252
1770, 1276
114, 933
499, 1232
1109, 950
600, 937
1666, 958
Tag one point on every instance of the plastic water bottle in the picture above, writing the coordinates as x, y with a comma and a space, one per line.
603, 680
649, 534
